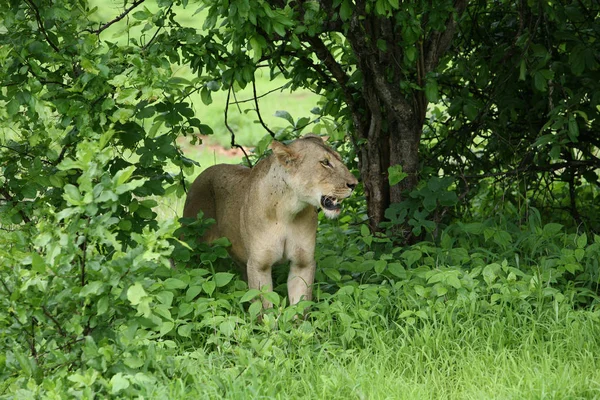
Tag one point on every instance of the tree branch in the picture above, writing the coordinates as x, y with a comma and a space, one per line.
157, 31
233, 144
118, 18
440, 41
40, 24
47, 314
10, 199
261, 96
258, 111
324, 55
534, 168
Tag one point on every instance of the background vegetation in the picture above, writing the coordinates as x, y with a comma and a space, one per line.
480, 278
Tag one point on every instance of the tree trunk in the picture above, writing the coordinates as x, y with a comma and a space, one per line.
389, 119
404, 150
395, 144
392, 131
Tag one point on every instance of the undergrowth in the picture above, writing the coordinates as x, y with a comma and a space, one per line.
489, 309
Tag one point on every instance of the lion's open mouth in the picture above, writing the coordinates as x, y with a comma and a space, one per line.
330, 203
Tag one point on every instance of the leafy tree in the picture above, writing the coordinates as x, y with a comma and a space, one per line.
374, 62
520, 102
88, 127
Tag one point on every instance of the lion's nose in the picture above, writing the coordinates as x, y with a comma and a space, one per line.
351, 186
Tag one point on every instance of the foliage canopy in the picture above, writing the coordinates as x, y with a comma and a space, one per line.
485, 112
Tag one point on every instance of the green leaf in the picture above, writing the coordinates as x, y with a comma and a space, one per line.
582, 241
123, 175
250, 295
141, 15
285, 115
522, 70
209, 287
380, 266
135, 293
397, 270
272, 297
223, 278
91, 288
396, 175
173, 283
539, 81
227, 327
37, 263
118, 383
192, 292
332, 274
185, 330
257, 48
577, 60
572, 267
255, 308
552, 229
72, 195
411, 53
453, 281
166, 327
573, 128
364, 230
346, 10
411, 256
431, 91
13, 107
206, 96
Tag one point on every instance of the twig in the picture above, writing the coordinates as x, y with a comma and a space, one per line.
38, 19
47, 314
118, 18
258, 111
10, 199
233, 144
6, 288
32, 344
528, 168
158, 30
262, 95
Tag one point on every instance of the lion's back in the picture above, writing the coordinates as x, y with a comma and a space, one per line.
215, 190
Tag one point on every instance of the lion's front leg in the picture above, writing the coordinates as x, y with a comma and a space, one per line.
300, 280
259, 277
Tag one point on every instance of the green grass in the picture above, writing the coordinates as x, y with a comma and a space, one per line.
349, 347
476, 357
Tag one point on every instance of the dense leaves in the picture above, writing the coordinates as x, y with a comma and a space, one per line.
90, 303
519, 108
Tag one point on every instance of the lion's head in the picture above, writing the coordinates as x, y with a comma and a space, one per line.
316, 173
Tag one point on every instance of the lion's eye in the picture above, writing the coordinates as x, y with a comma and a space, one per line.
326, 163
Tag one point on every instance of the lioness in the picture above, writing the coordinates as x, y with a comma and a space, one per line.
269, 212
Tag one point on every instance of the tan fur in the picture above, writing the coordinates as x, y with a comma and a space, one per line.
269, 212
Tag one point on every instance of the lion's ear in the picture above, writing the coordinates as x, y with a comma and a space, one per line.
314, 137
285, 155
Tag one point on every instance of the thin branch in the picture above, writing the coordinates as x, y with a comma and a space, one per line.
32, 344
262, 95
10, 199
118, 18
529, 168
258, 111
40, 24
47, 314
6, 288
157, 31
440, 41
233, 144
